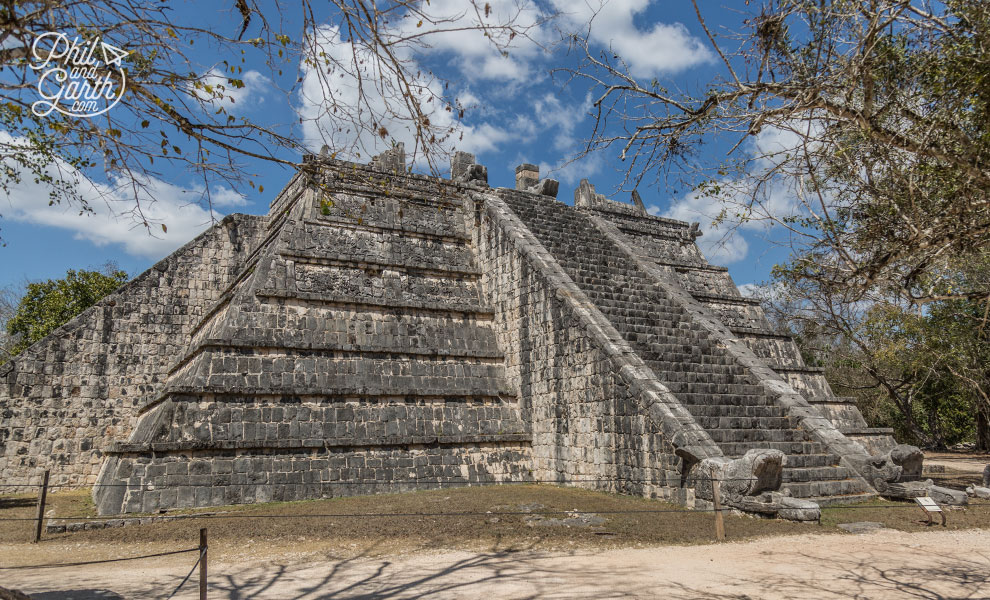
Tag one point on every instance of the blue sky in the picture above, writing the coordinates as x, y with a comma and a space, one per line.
517, 111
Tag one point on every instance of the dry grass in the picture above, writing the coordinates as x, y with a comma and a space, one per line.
477, 518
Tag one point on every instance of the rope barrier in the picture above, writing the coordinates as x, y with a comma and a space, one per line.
202, 551
97, 562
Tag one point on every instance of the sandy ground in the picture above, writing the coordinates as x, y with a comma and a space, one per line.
968, 463
881, 564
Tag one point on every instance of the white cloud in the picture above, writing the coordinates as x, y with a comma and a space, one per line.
572, 172
456, 23
113, 219
221, 197
758, 200
720, 243
661, 49
559, 119
556, 122
331, 103
236, 99
481, 139
352, 89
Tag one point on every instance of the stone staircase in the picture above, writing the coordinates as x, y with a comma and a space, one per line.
670, 246
722, 397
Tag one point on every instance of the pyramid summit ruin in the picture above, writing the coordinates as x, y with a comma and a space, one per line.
380, 331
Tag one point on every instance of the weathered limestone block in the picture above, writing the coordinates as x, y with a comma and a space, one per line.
546, 187
908, 489
757, 471
910, 459
945, 495
976, 491
392, 160
919, 489
527, 176
475, 173
10, 594
797, 509
585, 195
780, 505
464, 169
638, 201
902, 464
751, 483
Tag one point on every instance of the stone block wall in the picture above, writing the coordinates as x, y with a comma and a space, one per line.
68, 396
217, 477
775, 349
715, 282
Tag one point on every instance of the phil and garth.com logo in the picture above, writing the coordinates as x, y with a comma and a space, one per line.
77, 78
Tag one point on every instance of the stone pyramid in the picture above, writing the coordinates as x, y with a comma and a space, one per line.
381, 331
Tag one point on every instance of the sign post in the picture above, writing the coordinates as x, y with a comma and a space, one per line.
930, 507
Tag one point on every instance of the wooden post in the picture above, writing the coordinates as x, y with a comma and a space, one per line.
202, 563
716, 500
41, 507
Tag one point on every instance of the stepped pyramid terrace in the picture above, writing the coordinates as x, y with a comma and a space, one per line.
381, 331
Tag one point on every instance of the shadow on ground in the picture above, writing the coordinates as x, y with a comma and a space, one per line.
78, 595
859, 578
15, 502
526, 575
710, 572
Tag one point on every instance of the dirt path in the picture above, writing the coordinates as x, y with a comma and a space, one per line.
882, 564
967, 463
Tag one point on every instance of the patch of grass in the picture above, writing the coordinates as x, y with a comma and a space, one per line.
65, 504
907, 516
955, 479
492, 518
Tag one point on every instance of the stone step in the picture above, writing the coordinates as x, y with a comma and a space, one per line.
853, 498
247, 346
804, 474
808, 461
796, 368
759, 332
817, 489
693, 266
698, 382
474, 309
731, 410
406, 230
723, 299
737, 449
722, 398
756, 436
723, 422
338, 258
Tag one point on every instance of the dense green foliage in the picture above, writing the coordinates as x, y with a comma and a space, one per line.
50, 304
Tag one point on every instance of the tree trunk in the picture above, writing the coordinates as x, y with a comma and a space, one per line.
982, 430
